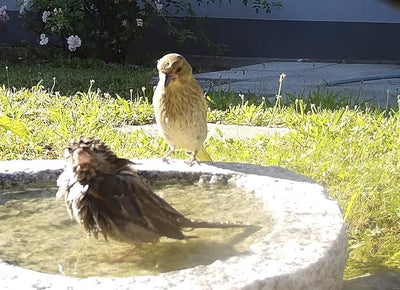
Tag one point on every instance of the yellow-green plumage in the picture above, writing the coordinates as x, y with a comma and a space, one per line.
180, 107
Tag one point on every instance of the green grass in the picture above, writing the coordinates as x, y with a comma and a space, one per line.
70, 76
352, 151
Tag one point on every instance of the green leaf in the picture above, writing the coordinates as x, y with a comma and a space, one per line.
14, 126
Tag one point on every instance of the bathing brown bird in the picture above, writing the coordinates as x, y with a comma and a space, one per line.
105, 194
180, 107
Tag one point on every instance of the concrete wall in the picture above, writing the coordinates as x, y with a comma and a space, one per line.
350, 30
311, 10
11, 4
299, 10
313, 29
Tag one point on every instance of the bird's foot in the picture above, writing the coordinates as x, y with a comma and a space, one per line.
165, 158
120, 258
192, 161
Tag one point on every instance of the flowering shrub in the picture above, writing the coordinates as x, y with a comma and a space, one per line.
81, 25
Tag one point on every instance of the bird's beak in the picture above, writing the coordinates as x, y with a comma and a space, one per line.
167, 80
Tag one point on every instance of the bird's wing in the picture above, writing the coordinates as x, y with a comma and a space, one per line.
124, 196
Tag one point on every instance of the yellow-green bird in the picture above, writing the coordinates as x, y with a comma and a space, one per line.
180, 107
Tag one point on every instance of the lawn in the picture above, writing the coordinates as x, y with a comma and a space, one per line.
352, 151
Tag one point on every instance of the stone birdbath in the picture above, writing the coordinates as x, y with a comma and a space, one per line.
306, 247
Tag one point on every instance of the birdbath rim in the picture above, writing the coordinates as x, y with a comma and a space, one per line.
306, 248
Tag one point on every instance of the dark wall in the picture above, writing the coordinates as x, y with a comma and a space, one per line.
320, 40
14, 33
294, 39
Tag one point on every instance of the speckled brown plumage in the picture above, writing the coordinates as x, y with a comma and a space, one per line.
105, 194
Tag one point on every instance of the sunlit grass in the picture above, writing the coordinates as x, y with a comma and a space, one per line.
353, 151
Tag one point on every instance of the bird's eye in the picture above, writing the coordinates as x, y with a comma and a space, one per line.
178, 70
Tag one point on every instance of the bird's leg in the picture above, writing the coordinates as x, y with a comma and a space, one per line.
192, 160
123, 256
165, 158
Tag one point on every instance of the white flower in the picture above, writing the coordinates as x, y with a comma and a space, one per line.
23, 6
139, 22
45, 15
159, 5
74, 42
3, 14
43, 39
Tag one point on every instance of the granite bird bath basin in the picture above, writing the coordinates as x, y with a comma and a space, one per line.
306, 247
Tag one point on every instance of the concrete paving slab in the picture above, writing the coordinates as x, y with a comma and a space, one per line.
380, 281
377, 84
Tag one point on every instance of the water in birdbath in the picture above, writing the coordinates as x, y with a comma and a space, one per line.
37, 233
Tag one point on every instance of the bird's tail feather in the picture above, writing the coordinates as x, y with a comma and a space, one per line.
202, 155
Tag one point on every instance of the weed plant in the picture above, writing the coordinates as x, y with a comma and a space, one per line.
352, 150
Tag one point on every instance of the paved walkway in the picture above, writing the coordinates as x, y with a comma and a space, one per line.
381, 281
374, 83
